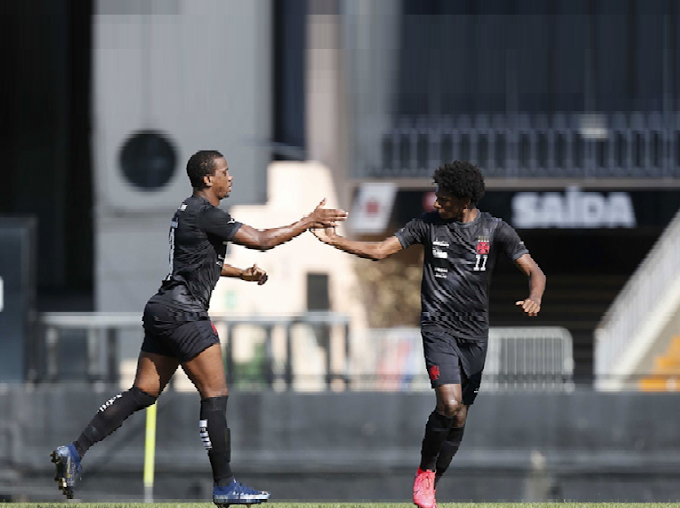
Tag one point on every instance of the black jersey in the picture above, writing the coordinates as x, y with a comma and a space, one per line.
199, 233
459, 260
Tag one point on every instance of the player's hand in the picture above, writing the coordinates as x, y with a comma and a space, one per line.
326, 217
254, 274
529, 306
326, 235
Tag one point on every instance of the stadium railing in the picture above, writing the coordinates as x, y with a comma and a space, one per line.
101, 333
317, 351
621, 145
639, 313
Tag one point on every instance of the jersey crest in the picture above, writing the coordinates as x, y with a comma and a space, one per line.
483, 245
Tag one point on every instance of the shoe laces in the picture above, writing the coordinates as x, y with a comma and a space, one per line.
243, 489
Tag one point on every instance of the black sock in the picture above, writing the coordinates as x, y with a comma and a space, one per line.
111, 416
448, 450
216, 438
436, 430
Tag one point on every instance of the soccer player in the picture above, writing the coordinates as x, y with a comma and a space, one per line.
178, 330
461, 245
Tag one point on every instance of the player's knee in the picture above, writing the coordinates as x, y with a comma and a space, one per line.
141, 398
450, 407
460, 418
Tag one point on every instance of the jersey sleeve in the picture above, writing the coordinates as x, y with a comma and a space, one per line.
412, 233
218, 222
510, 242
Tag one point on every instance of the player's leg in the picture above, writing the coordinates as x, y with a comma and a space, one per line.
472, 359
206, 371
441, 420
451, 444
437, 430
153, 373
441, 360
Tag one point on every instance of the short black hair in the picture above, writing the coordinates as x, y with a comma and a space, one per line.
201, 164
462, 179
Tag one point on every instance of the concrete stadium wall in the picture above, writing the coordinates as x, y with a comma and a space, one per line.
580, 446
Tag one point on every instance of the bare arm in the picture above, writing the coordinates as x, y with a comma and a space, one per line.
532, 304
370, 250
266, 239
252, 274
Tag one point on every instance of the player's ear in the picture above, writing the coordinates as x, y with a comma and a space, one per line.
207, 180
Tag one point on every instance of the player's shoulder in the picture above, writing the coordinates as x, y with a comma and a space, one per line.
487, 218
194, 204
495, 225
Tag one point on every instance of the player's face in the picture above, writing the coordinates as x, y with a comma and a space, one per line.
221, 179
448, 205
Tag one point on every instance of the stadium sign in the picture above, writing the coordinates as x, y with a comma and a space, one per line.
573, 209
372, 207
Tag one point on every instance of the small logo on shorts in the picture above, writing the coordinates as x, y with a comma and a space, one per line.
434, 372
213, 327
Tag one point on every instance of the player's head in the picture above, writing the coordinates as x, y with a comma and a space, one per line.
460, 185
209, 169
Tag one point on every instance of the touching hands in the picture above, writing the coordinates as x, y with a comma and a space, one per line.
254, 274
326, 217
529, 306
326, 235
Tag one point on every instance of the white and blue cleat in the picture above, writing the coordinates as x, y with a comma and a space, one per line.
237, 493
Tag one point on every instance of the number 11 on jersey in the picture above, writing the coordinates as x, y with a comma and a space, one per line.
480, 265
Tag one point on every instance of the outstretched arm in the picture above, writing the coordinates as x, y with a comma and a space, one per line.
532, 304
252, 274
266, 239
370, 250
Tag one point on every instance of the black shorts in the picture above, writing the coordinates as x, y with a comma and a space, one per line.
452, 360
178, 332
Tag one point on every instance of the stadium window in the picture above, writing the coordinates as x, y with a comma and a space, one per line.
318, 298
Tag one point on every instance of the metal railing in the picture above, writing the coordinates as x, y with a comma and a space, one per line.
639, 312
373, 359
102, 332
535, 358
630, 145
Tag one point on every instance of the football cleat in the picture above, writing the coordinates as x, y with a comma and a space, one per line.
68, 468
423, 489
237, 493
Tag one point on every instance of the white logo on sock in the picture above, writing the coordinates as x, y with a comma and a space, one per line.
203, 430
109, 402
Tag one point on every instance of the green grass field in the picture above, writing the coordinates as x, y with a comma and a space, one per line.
358, 505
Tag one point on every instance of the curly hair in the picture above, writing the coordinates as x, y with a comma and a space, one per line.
462, 179
201, 164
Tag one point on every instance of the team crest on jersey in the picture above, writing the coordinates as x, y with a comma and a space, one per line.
483, 245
